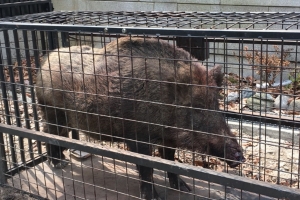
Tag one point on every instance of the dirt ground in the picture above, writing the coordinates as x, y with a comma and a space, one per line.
7, 193
99, 178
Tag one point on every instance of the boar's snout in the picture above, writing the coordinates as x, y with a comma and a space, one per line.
227, 150
236, 157
239, 156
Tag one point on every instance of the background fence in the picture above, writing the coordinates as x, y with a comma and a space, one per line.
258, 97
9, 8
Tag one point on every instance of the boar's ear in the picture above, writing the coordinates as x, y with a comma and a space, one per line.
216, 74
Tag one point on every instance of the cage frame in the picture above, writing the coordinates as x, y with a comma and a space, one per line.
203, 174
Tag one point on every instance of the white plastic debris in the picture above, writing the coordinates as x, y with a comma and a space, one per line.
263, 85
284, 83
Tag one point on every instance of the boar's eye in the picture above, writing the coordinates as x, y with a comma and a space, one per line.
233, 149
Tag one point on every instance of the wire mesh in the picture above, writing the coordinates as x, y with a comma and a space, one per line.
154, 101
179, 20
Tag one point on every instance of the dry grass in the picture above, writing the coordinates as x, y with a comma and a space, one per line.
268, 65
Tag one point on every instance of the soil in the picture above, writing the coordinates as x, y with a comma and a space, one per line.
7, 193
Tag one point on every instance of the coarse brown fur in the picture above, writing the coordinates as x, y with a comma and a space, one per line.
137, 89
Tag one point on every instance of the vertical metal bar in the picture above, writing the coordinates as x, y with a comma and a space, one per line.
21, 10
29, 9
28, 64
75, 134
1, 12
13, 155
295, 126
252, 127
11, 76
39, 8
50, 6
241, 74
13, 91
52, 40
298, 163
225, 46
3, 163
37, 66
23, 89
279, 121
18, 56
35, 8
95, 77
34, 110
65, 39
25, 9
12, 10
7, 12
84, 90
43, 42
261, 67
4, 92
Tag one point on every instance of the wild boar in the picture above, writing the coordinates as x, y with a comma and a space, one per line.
142, 91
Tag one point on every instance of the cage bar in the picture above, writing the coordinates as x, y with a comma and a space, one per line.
258, 53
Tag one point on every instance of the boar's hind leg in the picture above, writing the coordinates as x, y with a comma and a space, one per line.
148, 191
175, 181
55, 123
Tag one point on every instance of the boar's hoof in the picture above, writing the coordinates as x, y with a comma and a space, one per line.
149, 197
156, 198
149, 193
144, 196
182, 185
58, 164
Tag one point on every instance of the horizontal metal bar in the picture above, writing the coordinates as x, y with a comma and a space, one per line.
224, 179
209, 39
253, 41
261, 34
267, 119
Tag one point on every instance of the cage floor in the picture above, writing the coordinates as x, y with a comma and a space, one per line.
98, 177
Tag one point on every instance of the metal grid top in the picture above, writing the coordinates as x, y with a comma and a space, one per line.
177, 20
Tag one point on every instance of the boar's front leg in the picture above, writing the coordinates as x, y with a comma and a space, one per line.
55, 120
148, 191
175, 181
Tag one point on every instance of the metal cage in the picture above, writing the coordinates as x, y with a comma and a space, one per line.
162, 64
10, 8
